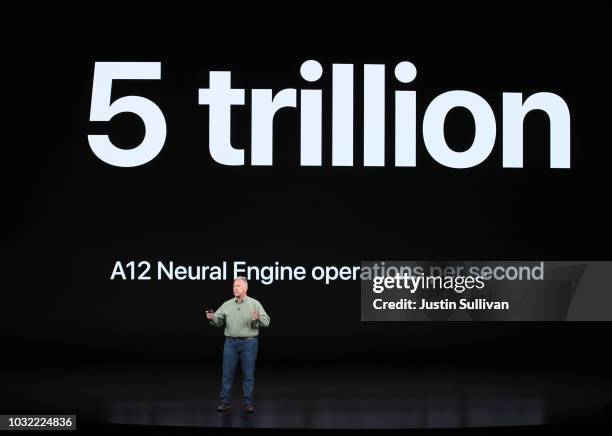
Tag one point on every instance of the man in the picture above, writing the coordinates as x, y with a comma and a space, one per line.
242, 316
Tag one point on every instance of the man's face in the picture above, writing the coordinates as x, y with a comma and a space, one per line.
240, 288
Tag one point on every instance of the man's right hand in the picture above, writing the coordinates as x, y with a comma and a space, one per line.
210, 315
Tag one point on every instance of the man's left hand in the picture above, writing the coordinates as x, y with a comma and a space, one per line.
254, 315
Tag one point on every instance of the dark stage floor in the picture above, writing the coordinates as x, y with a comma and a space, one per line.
314, 396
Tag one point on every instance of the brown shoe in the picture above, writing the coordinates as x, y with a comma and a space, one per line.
223, 407
248, 408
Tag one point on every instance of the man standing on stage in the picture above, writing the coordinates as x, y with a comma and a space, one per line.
242, 316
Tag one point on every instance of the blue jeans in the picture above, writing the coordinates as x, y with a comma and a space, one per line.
245, 351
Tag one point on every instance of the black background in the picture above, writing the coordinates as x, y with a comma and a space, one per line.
71, 216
